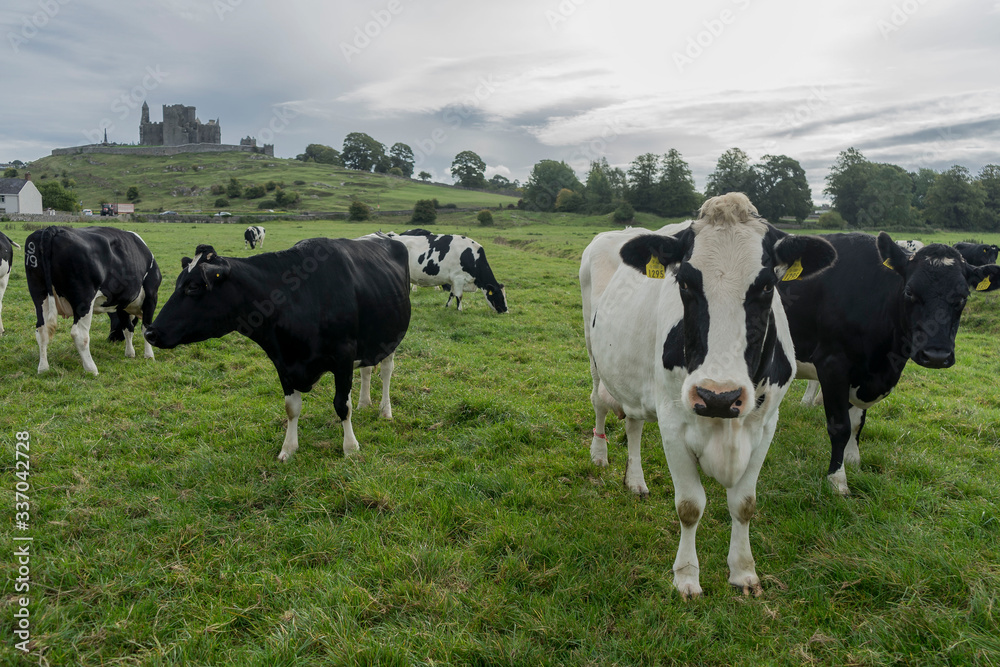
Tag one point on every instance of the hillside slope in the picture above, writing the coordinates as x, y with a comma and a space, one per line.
183, 183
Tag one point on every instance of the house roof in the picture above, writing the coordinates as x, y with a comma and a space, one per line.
11, 186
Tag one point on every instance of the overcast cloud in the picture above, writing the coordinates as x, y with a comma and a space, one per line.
911, 82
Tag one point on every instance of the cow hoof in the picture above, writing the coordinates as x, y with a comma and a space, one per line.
284, 456
749, 588
688, 591
838, 481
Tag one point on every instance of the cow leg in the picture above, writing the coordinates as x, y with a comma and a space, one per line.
742, 501
812, 395
634, 479
852, 453
46, 315
838, 425
385, 406
80, 332
129, 332
365, 393
293, 408
3, 288
689, 500
342, 380
603, 402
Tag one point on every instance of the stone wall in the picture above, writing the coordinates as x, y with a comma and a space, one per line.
268, 149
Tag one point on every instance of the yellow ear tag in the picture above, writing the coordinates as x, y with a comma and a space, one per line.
887, 265
793, 272
983, 286
654, 269
216, 275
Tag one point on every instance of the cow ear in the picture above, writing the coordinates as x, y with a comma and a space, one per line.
214, 273
797, 257
892, 255
640, 252
184, 262
983, 278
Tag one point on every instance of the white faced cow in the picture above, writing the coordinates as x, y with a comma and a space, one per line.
685, 330
322, 305
253, 237
456, 262
6, 262
78, 272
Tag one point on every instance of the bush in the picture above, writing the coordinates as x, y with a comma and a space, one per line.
254, 191
298, 182
270, 186
395, 171
234, 189
485, 218
568, 201
286, 198
221, 202
218, 190
624, 214
450, 206
359, 211
267, 203
831, 220
424, 212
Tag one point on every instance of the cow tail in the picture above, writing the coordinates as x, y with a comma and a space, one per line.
45, 257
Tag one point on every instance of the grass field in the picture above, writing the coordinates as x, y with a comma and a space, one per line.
182, 183
472, 529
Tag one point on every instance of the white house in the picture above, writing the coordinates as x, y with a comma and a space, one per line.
19, 196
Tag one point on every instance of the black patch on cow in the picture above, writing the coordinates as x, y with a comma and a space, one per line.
420, 259
760, 334
696, 320
467, 260
416, 232
432, 268
673, 347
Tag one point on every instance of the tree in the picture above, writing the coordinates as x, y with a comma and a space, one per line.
468, 169
10, 173
500, 182
424, 212
642, 190
887, 198
568, 201
234, 189
485, 218
624, 214
599, 194
321, 154
547, 178
922, 180
57, 197
989, 181
732, 174
401, 157
132, 193
781, 188
676, 187
362, 152
956, 202
359, 211
846, 183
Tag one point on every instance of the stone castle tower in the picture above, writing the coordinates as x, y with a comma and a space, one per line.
180, 126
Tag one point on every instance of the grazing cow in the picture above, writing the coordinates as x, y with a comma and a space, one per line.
685, 330
910, 246
978, 254
857, 324
78, 272
322, 305
6, 263
457, 262
253, 236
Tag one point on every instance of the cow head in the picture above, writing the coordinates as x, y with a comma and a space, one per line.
496, 296
936, 282
724, 268
202, 305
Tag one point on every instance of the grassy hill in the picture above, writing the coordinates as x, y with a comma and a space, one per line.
183, 183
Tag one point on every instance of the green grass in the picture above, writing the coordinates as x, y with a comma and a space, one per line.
473, 529
182, 183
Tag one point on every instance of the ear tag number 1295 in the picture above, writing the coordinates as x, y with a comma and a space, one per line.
654, 269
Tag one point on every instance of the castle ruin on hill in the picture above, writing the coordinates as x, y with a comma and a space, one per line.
180, 131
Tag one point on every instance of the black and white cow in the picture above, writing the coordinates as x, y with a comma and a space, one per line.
253, 237
456, 262
856, 325
6, 264
978, 254
910, 246
682, 327
323, 305
78, 272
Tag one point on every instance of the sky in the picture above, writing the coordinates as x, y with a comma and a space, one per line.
910, 82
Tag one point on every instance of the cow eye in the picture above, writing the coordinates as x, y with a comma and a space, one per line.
767, 289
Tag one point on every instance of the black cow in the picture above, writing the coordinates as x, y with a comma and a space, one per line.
78, 272
6, 263
322, 305
253, 236
978, 254
856, 325
455, 262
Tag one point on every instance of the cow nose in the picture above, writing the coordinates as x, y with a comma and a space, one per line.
935, 358
150, 335
723, 405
